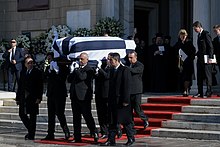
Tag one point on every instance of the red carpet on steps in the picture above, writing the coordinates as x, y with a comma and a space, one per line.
157, 109
86, 140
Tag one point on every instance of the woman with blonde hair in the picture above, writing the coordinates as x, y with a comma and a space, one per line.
184, 47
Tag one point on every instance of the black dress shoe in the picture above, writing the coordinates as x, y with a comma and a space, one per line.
28, 137
119, 133
108, 143
96, 137
208, 94
185, 94
49, 137
146, 124
104, 136
76, 141
66, 132
130, 142
198, 96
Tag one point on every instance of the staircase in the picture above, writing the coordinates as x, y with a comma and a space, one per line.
169, 116
199, 120
9, 116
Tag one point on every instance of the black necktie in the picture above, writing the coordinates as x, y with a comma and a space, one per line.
28, 72
12, 54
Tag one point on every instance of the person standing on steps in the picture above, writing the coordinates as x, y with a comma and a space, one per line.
81, 93
185, 49
204, 56
29, 96
136, 68
56, 75
119, 106
14, 58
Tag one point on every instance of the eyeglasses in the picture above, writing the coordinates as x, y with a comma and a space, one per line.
13, 42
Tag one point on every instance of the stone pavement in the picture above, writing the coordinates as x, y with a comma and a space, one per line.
14, 137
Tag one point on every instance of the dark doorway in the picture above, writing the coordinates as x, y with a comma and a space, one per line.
141, 23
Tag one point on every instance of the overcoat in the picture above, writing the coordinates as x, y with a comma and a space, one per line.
119, 93
81, 83
30, 88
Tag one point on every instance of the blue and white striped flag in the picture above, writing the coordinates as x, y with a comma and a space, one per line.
96, 47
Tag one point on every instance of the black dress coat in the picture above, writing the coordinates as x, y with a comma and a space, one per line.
204, 71
56, 83
119, 93
188, 65
158, 70
30, 88
205, 46
81, 83
102, 82
137, 82
216, 46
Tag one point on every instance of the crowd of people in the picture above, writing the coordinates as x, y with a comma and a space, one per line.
171, 68
158, 68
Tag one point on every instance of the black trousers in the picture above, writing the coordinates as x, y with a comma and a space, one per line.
136, 106
56, 107
28, 121
101, 107
11, 73
204, 71
130, 131
82, 107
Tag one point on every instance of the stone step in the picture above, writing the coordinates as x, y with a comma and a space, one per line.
40, 125
179, 124
207, 118
43, 104
14, 109
40, 118
19, 133
186, 133
201, 109
205, 102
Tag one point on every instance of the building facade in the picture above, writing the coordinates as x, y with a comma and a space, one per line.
148, 16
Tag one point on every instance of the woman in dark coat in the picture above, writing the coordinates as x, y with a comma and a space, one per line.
184, 47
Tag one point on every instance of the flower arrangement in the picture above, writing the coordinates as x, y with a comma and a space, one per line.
82, 32
23, 40
111, 25
3, 45
56, 32
38, 44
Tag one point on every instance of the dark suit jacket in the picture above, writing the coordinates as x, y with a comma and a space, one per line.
216, 45
81, 83
30, 88
56, 83
18, 56
119, 93
136, 77
102, 82
205, 46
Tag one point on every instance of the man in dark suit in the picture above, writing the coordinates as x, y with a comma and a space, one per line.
14, 58
81, 93
216, 43
101, 95
29, 96
137, 69
56, 75
205, 52
119, 106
